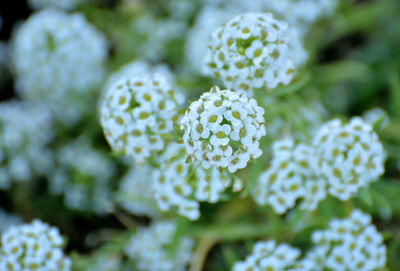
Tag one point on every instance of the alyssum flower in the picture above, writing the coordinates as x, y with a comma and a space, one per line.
223, 129
292, 175
138, 113
350, 156
252, 50
351, 243
182, 185
34, 246
149, 248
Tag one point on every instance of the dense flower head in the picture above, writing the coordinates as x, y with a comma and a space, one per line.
291, 176
348, 244
83, 174
137, 114
350, 156
208, 19
136, 192
223, 129
149, 248
252, 50
34, 246
56, 56
59, 4
25, 132
267, 255
182, 185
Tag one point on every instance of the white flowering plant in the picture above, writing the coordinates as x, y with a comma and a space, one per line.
189, 135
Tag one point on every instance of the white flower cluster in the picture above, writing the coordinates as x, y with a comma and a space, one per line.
180, 9
105, 262
267, 255
149, 247
342, 159
348, 244
57, 56
8, 220
60, 4
253, 50
83, 175
25, 132
183, 185
136, 192
137, 113
291, 176
351, 156
223, 129
351, 244
34, 246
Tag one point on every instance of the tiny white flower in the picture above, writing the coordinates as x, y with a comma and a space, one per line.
152, 108
148, 248
226, 129
346, 152
254, 50
344, 245
35, 244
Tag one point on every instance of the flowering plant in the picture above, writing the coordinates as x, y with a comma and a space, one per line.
200, 135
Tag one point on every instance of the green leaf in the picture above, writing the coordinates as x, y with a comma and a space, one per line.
394, 80
366, 197
382, 204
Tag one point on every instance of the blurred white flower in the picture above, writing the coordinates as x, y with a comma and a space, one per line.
59, 59
149, 248
348, 244
253, 50
156, 34
137, 192
301, 12
25, 132
292, 175
267, 255
137, 114
350, 156
84, 176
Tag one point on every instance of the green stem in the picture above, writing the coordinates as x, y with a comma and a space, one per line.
240, 231
200, 254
